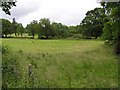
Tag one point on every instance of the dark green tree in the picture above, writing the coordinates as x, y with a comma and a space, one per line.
20, 29
112, 10
6, 6
32, 28
63, 31
6, 27
14, 27
93, 23
72, 30
107, 31
55, 29
45, 30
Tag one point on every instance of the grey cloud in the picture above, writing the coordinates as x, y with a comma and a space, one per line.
22, 12
69, 12
25, 7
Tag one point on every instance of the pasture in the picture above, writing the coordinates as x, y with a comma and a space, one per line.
59, 64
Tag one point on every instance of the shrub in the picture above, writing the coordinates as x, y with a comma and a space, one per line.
5, 49
117, 48
10, 68
76, 37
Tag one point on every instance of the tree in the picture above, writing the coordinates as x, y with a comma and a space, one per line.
6, 27
107, 31
113, 11
92, 24
72, 30
20, 29
55, 28
45, 28
6, 6
32, 28
86, 32
63, 31
14, 27
60, 29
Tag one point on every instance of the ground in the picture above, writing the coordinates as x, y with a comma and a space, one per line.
62, 63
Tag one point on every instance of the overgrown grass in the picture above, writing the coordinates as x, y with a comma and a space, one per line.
59, 63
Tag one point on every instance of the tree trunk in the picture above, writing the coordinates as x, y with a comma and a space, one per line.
5, 35
33, 36
15, 34
46, 36
21, 34
117, 48
95, 37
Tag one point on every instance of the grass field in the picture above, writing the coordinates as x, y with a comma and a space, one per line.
59, 63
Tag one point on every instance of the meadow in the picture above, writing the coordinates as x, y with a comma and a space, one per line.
33, 63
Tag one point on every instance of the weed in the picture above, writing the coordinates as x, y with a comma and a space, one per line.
62, 63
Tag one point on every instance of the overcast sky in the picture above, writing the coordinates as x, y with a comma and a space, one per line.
68, 12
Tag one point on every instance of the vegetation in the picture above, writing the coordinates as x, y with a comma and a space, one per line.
58, 63
98, 22
6, 27
6, 6
93, 23
111, 30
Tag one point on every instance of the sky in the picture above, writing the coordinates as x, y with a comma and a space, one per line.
68, 12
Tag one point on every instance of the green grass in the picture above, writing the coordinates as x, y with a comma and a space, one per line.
63, 63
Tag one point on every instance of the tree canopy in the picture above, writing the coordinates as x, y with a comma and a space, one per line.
93, 23
111, 30
6, 27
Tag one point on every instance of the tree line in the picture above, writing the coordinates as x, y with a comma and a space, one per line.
90, 27
44, 28
98, 23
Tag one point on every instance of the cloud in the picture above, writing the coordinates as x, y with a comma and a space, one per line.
69, 12
25, 7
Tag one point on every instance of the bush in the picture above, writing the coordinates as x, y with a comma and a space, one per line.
11, 70
117, 48
76, 36
42, 37
5, 49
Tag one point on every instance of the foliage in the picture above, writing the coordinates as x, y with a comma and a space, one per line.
5, 49
20, 29
107, 35
60, 30
14, 27
10, 66
111, 30
76, 36
6, 6
32, 28
92, 24
46, 29
6, 27
98, 22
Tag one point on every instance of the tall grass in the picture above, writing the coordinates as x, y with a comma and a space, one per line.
59, 64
